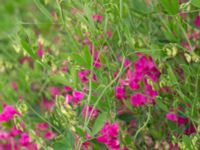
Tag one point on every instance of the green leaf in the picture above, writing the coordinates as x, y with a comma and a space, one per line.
59, 79
171, 75
196, 3
160, 104
183, 97
187, 142
99, 122
43, 9
65, 142
170, 6
79, 60
126, 117
141, 7
74, 76
28, 49
87, 56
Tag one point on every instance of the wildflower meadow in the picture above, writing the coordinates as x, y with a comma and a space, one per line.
99, 74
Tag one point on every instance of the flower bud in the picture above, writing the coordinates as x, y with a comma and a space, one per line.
174, 51
22, 108
188, 57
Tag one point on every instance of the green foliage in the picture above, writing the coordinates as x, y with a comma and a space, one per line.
156, 28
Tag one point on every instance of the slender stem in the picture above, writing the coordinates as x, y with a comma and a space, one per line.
105, 89
144, 125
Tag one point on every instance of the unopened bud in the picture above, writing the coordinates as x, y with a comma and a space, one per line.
188, 57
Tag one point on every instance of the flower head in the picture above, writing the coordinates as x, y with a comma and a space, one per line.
138, 99
108, 135
77, 96
8, 113
25, 139
119, 92
172, 116
40, 52
49, 135
197, 21
97, 18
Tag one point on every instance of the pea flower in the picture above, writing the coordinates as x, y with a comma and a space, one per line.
3, 135
8, 113
42, 126
68, 98
49, 135
16, 131
54, 91
93, 114
138, 99
197, 21
77, 96
97, 18
25, 139
109, 136
40, 52
172, 116
119, 92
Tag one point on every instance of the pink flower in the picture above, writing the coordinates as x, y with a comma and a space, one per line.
68, 98
42, 126
82, 75
25, 139
16, 131
197, 21
3, 135
40, 52
172, 116
119, 92
86, 144
182, 120
133, 85
97, 62
109, 34
173, 146
67, 88
138, 99
78, 96
14, 86
108, 135
89, 110
48, 104
54, 91
190, 130
86, 41
9, 145
49, 135
148, 89
145, 66
26, 59
8, 113
91, 48
97, 18
126, 63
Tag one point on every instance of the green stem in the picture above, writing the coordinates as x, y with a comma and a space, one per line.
105, 89
144, 125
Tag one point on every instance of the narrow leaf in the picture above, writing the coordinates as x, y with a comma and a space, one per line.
101, 119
